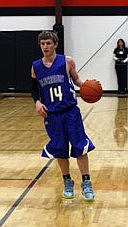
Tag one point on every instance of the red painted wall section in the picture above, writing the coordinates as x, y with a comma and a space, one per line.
95, 2
27, 3
51, 3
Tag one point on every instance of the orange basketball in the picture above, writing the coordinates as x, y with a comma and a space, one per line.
91, 91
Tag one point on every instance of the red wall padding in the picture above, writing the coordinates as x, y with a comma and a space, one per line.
50, 3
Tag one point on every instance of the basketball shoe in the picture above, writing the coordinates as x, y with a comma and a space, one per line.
68, 189
87, 190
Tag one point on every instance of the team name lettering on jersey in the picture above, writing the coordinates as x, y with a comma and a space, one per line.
51, 80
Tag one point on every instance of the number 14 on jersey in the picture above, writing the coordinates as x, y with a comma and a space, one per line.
55, 92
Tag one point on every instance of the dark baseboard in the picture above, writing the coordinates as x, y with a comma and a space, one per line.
110, 93
106, 93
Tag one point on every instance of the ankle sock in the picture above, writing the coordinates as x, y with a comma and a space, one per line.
67, 177
85, 177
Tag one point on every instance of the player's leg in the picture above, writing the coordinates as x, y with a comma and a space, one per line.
58, 147
64, 166
83, 164
68, 182
87, 190
81, 145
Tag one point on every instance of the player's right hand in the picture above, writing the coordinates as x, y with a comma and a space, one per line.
41, 109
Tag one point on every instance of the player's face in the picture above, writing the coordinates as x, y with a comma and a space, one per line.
48, 47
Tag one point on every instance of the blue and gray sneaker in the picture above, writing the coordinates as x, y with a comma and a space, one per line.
87, 190
68, 189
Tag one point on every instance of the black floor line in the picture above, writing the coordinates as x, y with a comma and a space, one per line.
15, 179
21, 197
90, 110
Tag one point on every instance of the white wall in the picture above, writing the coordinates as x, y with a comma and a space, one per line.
84, 36
14, 23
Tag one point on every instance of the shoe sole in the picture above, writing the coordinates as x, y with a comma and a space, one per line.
68, 197
88, 199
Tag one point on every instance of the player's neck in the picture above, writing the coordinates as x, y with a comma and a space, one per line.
49, 59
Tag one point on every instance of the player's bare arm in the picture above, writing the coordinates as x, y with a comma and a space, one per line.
40, 107
71, 71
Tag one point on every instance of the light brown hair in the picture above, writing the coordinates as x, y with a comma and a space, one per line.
48, 35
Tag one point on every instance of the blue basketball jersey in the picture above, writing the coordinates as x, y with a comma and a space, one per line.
55, 86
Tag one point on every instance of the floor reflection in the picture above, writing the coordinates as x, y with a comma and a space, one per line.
121, 122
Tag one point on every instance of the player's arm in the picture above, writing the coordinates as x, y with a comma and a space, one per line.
71, 70
34, 88
40, 108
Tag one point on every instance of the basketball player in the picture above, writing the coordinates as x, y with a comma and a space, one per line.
55, 99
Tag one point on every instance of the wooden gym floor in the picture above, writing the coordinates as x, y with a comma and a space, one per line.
31, 187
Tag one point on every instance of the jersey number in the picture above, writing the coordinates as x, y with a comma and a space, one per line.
55, 92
